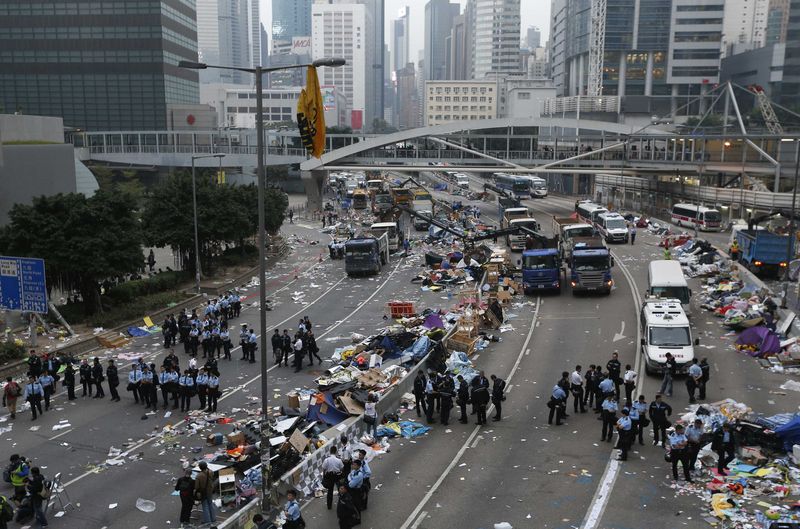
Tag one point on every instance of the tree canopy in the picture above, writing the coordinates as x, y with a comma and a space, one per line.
82, 240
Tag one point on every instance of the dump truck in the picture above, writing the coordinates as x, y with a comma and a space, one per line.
764, 252
541, 270
590, 266
566, 229
401, 196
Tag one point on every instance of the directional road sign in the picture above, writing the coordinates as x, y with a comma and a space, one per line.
22, 284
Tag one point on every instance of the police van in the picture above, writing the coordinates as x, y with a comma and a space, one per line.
665, 329
613, 227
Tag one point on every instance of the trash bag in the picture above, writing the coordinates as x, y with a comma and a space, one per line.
145, 505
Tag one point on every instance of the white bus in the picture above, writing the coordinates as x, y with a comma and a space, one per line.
538, 186
589, 212
689, 215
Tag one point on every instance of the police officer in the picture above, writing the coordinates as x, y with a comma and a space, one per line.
135, 381
640, 409
557, 404
236, 304
629, 381
186, 388
609, 417
85, 374
355, 483
154, 382
659, 411
69, 381
244, 341
445, 390
213, 391
98, 376
113, 380
576, 387
462, 398
145, 388
678, 453
277, 353
480, 397
206, 337
419, 392
706, 369
430, 391
34, 393
225, 337
194, 339
216, 341
724, 445
201, 382
606, 388
164, 382
253, 342
624, 429
498, 396
48, 385
694, 434
367, 473
590, 387
694, 379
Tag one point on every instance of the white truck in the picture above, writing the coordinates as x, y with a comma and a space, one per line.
517, 241
567, 229
665, 329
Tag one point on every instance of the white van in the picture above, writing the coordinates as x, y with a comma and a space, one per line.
613, 227
665, 329
462, 180
665, 279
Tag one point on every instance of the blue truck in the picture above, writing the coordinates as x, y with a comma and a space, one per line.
762, 251
541, 270
590, 266
366, 255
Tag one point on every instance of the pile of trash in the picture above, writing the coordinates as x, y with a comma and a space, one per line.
698, 258
762, 485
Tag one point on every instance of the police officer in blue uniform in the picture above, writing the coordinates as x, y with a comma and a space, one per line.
624, 427
678, 444
609, 417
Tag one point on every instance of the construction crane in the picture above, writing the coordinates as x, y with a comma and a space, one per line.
597, 40
767, 112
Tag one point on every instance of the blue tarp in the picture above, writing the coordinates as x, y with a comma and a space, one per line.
136, 331
388, 345
408, 429
330, 416
419, 348
789, 433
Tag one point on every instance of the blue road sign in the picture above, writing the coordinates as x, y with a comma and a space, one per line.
22, 284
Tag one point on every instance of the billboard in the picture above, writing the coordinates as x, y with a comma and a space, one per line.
357, 119
328, 97
301, 45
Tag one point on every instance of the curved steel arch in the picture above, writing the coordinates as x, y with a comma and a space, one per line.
460, 126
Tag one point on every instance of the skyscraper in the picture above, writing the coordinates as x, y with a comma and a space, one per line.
264, 55
228, 34
400, 39
291, 23
660, 49
790, 88
101, 65
439, 16
496, 37
533, 39
458, 64
744, 25
339, 30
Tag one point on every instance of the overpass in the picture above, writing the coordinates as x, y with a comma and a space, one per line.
526, 145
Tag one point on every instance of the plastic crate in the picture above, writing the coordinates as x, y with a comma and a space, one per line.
401, 309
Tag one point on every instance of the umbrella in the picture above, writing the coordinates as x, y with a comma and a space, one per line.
766, 340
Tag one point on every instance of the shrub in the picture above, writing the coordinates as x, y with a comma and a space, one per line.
11, 351
163, 282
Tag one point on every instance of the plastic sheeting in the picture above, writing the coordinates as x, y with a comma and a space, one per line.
326, 411
766, 341
420, 348
407, 429
789, 433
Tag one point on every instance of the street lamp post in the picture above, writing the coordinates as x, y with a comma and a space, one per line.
194, 208
259, 72
790, 253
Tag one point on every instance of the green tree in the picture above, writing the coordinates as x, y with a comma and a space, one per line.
380, 126
82, 240
276, 202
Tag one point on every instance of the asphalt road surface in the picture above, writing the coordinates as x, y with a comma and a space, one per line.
519, 470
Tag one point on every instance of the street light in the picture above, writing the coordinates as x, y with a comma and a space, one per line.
259, 72
194, 206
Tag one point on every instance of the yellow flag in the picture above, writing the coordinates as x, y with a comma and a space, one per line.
311, 115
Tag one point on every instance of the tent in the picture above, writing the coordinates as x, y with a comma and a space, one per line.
764, 339
324, 410
790, 433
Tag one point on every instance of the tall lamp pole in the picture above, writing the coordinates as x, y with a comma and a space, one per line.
194, 209
790, 250
259, 72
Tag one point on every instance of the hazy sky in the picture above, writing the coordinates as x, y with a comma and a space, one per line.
534, 13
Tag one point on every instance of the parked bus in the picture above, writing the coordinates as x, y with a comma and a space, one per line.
518, 185
589, 212
360, 199
705, 219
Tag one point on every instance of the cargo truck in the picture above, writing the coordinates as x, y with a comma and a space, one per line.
762, 251
566, 229
366, 255
541, 270
590, 266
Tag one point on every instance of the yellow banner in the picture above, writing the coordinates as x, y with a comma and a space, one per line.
311, 115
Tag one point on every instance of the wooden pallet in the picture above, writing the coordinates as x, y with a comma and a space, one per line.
113, 340
462, 342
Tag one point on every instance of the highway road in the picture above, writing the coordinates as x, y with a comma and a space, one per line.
519, 470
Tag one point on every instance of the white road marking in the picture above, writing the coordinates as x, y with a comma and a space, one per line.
421, 517
601, 496
621, 334
62, 433
438, 483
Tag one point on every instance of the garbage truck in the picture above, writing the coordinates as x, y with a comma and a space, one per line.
541, 270
567, 229
366, 255
762, 251
590, 266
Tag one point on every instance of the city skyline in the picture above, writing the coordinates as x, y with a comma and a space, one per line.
533, 13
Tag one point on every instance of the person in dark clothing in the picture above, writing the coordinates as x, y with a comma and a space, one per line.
498, 396
724, 444
430, 395
286, 347
419, 393
564, 384
98, 377
113, 380
590, 387
277, 344
310, 343
480, 397
462, 399
704, 379
36, 486
614, 367
659, 411
446, 394
185, 488
85, 372
34, 364
69, 381
346, 511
